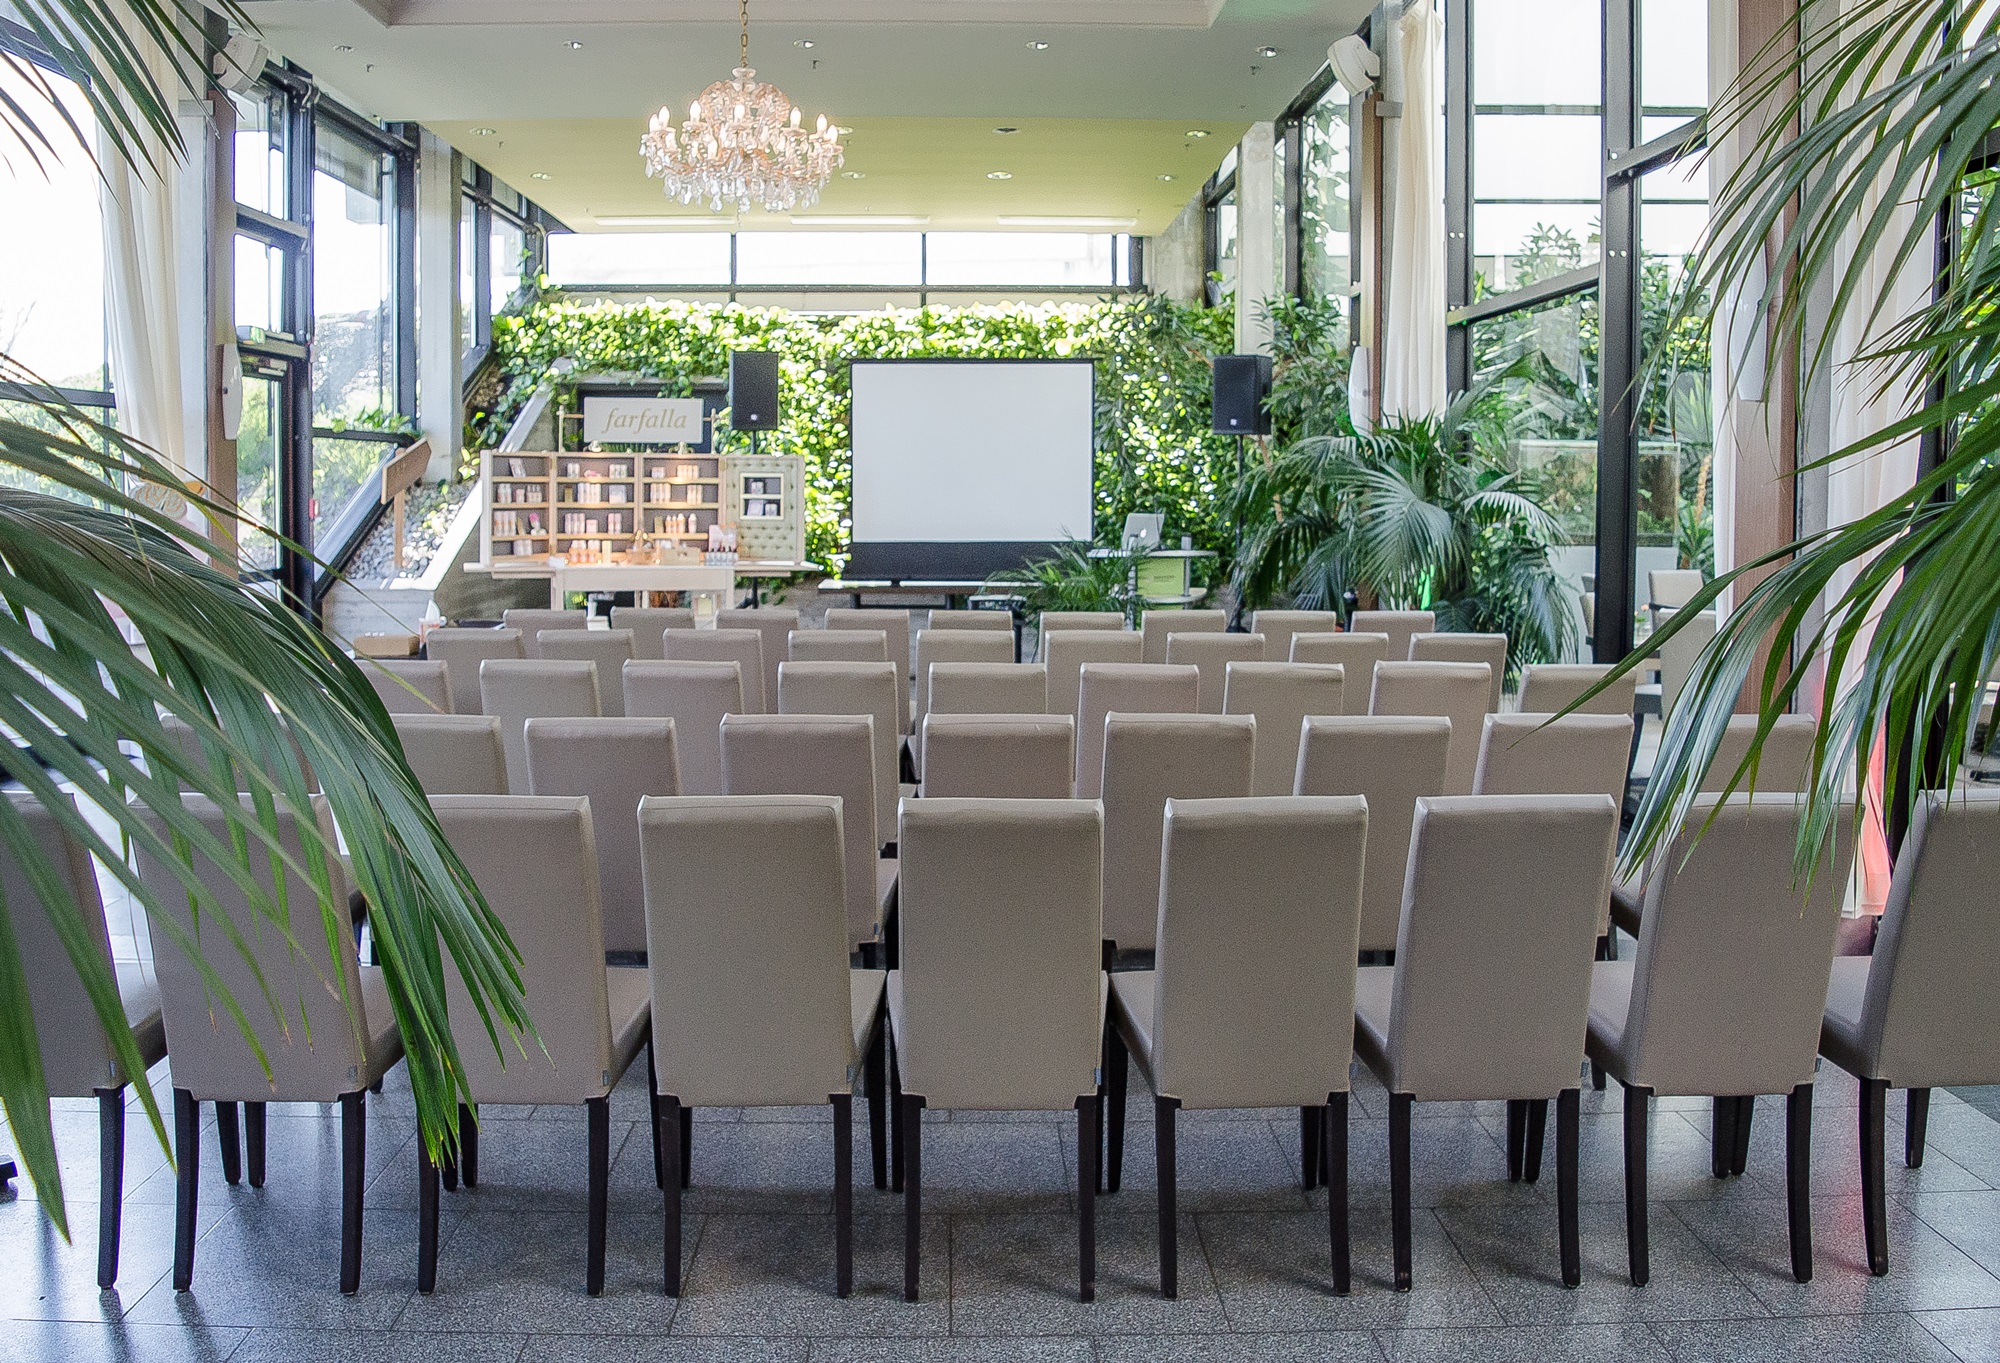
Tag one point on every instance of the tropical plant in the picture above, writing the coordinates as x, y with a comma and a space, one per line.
82, 708
1070, 580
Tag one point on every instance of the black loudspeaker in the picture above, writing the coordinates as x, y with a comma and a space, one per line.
1242, 392
753, 390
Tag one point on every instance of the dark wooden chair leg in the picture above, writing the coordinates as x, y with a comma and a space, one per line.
229, 1136
1611, 944
687, 1147
1537, 1110
599, 1112
670, 1132
254, 1129
1517, 1137
1638, 1250
353, 1162
1568, 1124
427, 1220
1333, 1159
1309, 1142
1399, 1184
110, 1181
1117, 1082
843, 1194
1746, 1108
1874, 1207
896, 1140
874, 1082
1721, 1136
1088, 1159
1916, 1120
1167, 1173
187, 1184
1597, 1076
468, 1144
1798, 1178
913, 1191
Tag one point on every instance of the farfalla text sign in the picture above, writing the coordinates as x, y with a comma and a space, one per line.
642, 421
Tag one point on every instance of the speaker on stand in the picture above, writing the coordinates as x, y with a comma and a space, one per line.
753, 392
1242, 402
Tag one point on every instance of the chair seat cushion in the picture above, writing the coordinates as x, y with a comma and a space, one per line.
385, 1042
865, 990
1374, 992
1132, 1000
140, 994
1840, 1035
1628, 898
629, 992
1610, 1004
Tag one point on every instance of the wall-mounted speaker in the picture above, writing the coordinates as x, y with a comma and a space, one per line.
1242, 394
753, 390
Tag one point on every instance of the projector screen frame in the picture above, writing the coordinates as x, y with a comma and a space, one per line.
955, 560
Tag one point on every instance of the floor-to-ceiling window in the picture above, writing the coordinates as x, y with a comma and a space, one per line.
1219, 202
502, 249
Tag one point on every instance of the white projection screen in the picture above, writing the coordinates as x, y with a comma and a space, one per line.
966, 467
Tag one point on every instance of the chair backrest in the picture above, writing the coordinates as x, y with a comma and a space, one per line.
1546, 688
533, 858
1253, 990
1392, 761
1280, 627
1355, 654
985, 1023
1673, 586
409, 686
1587, 604
1065, 651
1458, 691
1522, 754
1049, 621
1490, 649
744, 647
1500, 912
462, 651
752, 1004
989, 689
816, 755
836, 646
837, 688
1210, 655
616, 763
1729, 984
531, 622
1931, 1012
1158, 623
1131, 688
956, 646
999, 756
455, 754
971, 619
270, 763
1781, 765
1678, 654
648, 623
1280, 696
775, 624
695, 696
316, 1052
515, 691
894, 624
1149, 760
1398, 625
610, 649
77, 1058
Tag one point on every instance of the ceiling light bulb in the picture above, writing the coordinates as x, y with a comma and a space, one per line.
999, 174
482, 132
1037, 45
573, 45
1166, 179
1005, 131
802, 42
344, 47
1197, 132
1267, 51
540, 175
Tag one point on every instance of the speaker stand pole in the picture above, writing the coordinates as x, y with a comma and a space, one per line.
756, 583
1238, 526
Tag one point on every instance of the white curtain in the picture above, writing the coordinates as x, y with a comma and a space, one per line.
1413, 369
142, 281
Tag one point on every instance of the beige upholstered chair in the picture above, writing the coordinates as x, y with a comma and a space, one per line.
1458, 691
775, 625
337, 1038
1280, 696
1160, 622
744, 647
1923, 1011
270, 762
1673, 587
1490, 992
1149, 760
79, 1058
409, 686
983, 689
956, 646
610, 649
1490, 649
454, 754
648, 623
840, 688
1725, 995
532, 622
971, 619
1549, 688
695, 696
1355, 654
1065, 651
516, 691
1255, 979
836, 646
894, 624
615, 763
462, 651
1398, 625
533, 858
1392, 761
978, 1022
1210, 655
1678, 654
754, 1004
1281, 627
819, 755
999, 756
1049, 621
1134, 688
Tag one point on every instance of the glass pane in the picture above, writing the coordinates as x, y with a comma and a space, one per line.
1537, 51
28, 414
829, 258
510, 246
1021, 257
1225, 245
1537, 189
639, 258
340, 467
468, 283
257, 444
1676, 434
1324, 189
260, 152
52, 233
354, 327
260, 286
1673, 55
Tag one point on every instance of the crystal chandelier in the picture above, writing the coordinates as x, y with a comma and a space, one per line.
742, 142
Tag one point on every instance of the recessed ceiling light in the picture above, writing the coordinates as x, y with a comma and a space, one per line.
1267, 51
1074, 224
802, 42
999, 174
540, 175
573, 45
482, 132
854, 175
1037, 45
1166, 179
1197, 132
1004, 132
344, 47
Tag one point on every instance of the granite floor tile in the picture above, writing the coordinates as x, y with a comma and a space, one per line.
660, 1349
514, 1272
1454, 1161
1972, 1335
1327, 1346
376, 1346
44, 1277
99, 1342
1017, 1275
774, 1276
1818, 1339
1025, 1350
1971, 1221
996, 1167
302, 1159
1629, 1343
539, 1166
1220, 1165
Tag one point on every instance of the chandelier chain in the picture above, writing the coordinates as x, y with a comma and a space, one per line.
743, 11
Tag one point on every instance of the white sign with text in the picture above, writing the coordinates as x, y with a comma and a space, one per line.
642, 421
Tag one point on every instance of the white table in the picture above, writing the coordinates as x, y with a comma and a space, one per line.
643, 577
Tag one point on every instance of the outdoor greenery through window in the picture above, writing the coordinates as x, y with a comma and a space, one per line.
1024, 260
1325, 262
